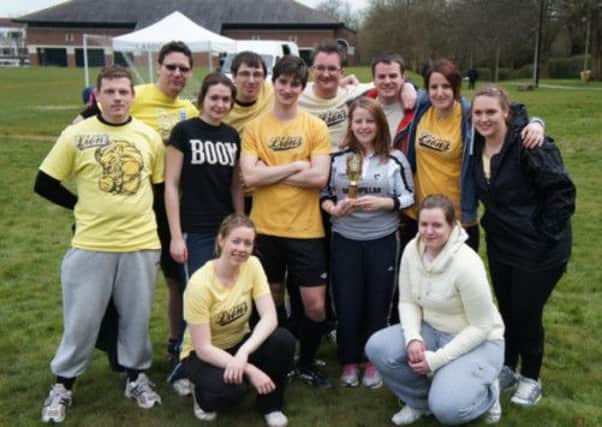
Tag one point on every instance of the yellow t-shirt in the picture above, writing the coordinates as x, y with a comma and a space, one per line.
158, 110
280, 209
243, 114
438, 157
225, 310
333, 111
113, 167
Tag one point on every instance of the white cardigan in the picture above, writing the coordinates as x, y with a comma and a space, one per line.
452, 295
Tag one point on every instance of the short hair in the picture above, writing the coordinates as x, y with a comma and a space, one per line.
212, 79
388, 58
328, 47
449, 70
496, 92
293, 66
252, 59
229, 223
113, 72
174, 46
382, 141
439, 201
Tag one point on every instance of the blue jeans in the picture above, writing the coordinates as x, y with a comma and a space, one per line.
201, 248
457, 393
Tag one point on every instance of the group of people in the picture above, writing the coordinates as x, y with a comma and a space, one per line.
340, 178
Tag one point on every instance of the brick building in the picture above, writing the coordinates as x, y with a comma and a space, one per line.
55, 34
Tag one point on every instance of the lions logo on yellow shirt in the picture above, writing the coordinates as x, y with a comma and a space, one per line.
121, 164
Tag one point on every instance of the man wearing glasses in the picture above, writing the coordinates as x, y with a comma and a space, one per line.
328, 99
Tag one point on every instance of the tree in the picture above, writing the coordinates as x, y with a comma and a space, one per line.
341, 11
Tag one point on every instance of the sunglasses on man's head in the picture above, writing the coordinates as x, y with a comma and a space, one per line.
174, 67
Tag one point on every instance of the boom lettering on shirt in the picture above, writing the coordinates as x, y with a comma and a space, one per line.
427, 140
223, 153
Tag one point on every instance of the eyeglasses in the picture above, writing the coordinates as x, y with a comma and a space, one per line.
174, 67
323, 68
247, 74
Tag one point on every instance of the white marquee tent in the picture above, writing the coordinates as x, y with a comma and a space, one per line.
175, 26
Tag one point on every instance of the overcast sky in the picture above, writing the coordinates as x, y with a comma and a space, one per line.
16, 8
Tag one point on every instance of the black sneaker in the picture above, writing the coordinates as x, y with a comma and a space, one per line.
313, 376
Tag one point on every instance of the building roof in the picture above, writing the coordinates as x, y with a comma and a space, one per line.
212, 14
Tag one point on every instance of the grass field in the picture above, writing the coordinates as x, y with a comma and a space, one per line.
37, 103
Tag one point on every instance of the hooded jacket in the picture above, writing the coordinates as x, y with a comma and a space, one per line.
528, 201
452, 295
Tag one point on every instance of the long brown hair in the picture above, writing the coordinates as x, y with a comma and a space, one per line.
382, 141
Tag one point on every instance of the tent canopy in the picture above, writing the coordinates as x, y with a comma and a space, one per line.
175, 26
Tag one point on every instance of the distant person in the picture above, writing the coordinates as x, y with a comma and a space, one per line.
221, 354
116, 161
529, 199
445, 356
89, 99
285, 158
473, 76
365, 219
202, 180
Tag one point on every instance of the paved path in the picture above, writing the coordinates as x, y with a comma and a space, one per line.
548, 86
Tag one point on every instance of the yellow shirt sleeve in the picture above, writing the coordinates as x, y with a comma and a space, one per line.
60, 160
260, 281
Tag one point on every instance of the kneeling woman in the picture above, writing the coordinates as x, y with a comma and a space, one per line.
220, 354
446, 355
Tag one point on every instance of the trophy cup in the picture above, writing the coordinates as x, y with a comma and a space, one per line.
354, 173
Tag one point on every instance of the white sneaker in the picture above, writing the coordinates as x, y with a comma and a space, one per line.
528, 392
276, 419
143, 391
183, 387
56, 404
198, 411
494, 414
408, 415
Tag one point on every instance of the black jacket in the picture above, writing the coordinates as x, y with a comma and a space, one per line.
528, 200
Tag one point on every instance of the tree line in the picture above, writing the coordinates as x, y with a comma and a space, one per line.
492, 34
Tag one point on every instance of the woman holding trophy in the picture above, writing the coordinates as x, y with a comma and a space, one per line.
369, 184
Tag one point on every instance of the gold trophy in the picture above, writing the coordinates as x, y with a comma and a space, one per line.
354, 173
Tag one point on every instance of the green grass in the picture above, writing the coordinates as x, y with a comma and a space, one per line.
35, 234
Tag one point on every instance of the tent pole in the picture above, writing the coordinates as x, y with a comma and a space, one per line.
150, 67
86, 75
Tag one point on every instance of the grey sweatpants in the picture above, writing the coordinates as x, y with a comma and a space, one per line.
88, 280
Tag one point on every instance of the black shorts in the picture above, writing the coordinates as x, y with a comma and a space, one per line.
171, 268
304, 259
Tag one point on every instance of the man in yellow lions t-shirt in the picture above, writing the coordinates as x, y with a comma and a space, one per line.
115, 161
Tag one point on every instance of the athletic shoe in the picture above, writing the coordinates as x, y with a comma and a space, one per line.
143, 391
56, 404
408, 415
528, 392
276, 419
371, 378
183, 387
199, 413
508, 378
313, 376
494, 414
350, 375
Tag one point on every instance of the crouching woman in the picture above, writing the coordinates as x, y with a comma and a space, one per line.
221, 355
446, 355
